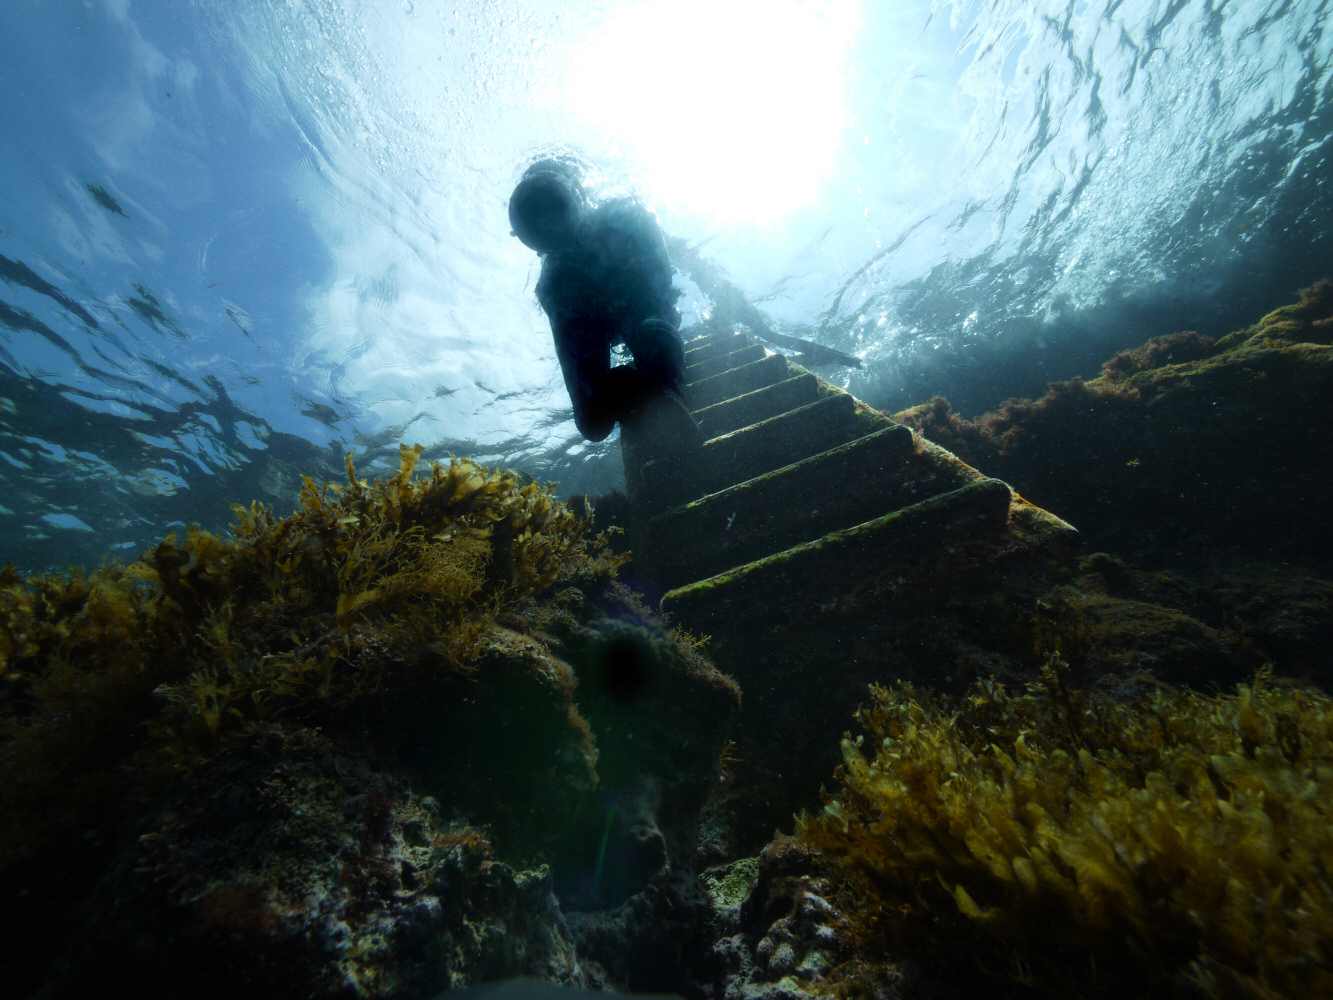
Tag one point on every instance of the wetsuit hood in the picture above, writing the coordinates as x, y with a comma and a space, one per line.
547, 207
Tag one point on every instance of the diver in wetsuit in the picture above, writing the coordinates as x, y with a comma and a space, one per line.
606, 279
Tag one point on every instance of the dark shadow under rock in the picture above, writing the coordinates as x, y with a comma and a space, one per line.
287, 865
427, 839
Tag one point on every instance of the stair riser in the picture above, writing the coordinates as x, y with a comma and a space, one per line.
741, 380
725, 362
779, 441
742, 411
786, 507
848, 571
754, 450
708, 348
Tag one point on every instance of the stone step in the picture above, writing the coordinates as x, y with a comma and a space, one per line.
754, 450
849, 571
835, 489
752, 407
738, 381
713, 336
713, 346
722, 363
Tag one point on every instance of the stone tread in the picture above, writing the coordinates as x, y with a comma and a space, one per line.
843, 486
713, 340
722, 363
707, 348
877, 560
782, 511
746, 378
751, 451
752, 407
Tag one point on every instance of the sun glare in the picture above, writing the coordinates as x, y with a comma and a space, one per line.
729, 108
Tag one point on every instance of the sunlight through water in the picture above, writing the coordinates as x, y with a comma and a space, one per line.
730, 109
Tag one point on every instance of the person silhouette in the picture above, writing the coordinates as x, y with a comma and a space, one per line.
606, 280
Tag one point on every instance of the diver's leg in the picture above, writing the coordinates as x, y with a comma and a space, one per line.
585, 362
659, 359
659, 354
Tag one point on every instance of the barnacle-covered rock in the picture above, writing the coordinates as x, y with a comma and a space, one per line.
786, 937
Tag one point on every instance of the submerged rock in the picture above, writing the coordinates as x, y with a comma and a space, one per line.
1181, 449
376, 749
287, 863
418, 736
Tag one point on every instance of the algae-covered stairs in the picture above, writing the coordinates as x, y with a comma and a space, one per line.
806, 502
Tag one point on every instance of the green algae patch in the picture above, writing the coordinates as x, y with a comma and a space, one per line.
870, 419
1304, 321
728, 885
1090, 845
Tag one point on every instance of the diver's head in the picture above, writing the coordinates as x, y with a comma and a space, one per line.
547, 206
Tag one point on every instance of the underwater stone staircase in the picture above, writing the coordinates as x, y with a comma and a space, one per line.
805, 503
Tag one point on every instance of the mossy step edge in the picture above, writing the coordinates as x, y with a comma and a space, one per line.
760, 404
746, 378
751, 451
773, 511
723, 363
856, 553
704, 348
708, 339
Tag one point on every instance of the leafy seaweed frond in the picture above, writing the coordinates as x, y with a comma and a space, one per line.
1175, 842
367, 588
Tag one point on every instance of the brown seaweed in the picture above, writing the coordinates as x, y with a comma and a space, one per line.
366, 589
1175, 843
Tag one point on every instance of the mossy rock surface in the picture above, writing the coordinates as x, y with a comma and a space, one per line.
728, 885
1180, 448
338, 753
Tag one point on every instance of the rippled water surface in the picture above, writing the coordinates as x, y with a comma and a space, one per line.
239, 240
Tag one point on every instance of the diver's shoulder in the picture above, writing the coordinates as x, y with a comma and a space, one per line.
625, 227
623, 213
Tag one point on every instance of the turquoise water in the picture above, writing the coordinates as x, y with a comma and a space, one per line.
240, 240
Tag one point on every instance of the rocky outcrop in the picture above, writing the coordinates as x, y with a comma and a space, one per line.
531, 812
1182, 449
